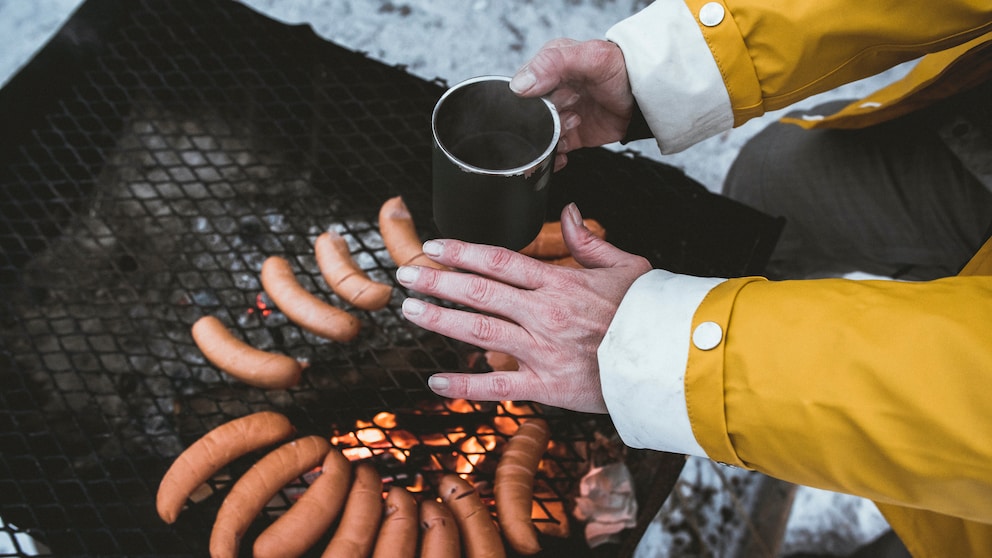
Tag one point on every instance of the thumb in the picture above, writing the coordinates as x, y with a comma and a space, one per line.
587, 248
544, 71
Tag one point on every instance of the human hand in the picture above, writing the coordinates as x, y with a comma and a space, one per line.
587, 82
551, 318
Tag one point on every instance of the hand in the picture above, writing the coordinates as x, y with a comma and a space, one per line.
551, 318
588, 83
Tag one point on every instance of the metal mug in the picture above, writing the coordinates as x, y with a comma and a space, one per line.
493, 158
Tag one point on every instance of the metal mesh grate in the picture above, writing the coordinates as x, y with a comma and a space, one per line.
155, 153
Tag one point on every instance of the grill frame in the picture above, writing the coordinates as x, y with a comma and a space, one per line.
321, 120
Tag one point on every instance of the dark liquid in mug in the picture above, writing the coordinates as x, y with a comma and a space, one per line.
495, 150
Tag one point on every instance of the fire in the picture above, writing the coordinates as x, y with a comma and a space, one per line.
371, 439
427, 441
473, 451
461, 406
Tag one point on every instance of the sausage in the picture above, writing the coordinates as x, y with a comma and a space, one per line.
398, 533
303, 308
214, 450
439, 537
362, 515
312, 515
399, 234
501, 361
344, 276
250, 365
550, 243
480, 538
257, 486
513, 486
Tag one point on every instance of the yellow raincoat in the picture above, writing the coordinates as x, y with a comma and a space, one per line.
902, 411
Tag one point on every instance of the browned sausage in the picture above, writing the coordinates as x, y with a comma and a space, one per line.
399, 234
513, 486
257, 486
303, 308
214, 450
480, 538
362, 515
310, 517
550, 243
398, 534
439, 537
344, 276
250, 365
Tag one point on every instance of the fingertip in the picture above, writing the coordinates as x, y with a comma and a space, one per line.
572, 213
433, 248
413, 307
407, 274
438, 384
523, 81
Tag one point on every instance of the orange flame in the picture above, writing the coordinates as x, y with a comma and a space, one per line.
381, 437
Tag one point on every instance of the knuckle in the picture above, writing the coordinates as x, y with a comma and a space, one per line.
454, 252
559, 318
479, 289
546, 59
429, 279
559, 42
484, 328
498, 259
431, 318
500, 386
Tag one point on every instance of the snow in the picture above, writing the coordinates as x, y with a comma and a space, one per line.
457, 39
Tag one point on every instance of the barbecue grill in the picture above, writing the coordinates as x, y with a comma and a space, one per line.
153, 154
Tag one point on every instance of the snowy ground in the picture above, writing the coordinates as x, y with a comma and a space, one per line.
456, 39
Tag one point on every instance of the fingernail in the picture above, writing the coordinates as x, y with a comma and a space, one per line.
407, 274
571, 122
433, 248
438, 383
413, 307
574, 214
524, 80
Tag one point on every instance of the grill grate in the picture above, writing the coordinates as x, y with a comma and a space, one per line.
155, 152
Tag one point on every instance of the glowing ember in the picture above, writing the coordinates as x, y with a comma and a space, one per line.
261, 306
449, 435
385, 420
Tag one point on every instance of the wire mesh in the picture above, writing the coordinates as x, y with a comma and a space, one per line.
157, 153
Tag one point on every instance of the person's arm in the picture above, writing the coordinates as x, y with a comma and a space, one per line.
873, 388
699, 67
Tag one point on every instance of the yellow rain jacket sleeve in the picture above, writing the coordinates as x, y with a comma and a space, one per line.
772, 53
875, 388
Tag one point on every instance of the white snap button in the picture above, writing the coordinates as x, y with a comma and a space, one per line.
707, 335
711, 14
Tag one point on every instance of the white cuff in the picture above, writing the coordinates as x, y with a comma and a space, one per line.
643, 357
673, 75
